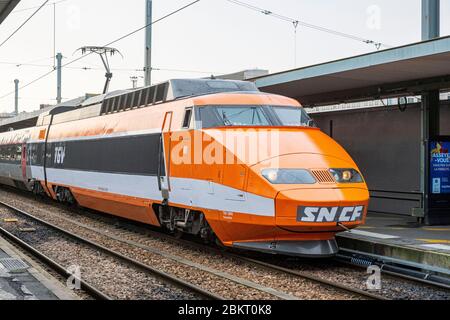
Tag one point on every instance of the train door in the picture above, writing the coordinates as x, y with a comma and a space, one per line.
164, 166
24, 161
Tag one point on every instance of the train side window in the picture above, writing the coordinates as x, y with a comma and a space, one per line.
10, 153
19, 153
187, 118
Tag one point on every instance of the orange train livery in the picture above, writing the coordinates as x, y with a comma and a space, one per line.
213, 158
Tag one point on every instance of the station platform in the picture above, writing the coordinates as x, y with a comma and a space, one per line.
401, 237
22, 279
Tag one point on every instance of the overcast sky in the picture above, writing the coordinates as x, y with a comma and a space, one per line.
213, 36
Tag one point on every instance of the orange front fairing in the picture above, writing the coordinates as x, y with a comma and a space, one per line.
289, 202
230, 161
234, 157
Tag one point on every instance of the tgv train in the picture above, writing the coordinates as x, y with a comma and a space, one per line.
213, 158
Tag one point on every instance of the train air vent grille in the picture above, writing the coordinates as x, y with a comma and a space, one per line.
323, 176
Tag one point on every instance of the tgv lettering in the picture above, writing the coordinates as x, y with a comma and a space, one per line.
60, 154
330, 214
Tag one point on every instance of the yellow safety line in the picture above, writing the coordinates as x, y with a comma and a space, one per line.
434, 241
436, 229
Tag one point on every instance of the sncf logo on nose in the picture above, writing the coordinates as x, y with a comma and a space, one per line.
330, 214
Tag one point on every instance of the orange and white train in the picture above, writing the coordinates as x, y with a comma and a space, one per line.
212, 158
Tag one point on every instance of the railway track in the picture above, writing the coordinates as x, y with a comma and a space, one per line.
255, 262
394, 267
269, 291
260, 264
89, 288
268, 266
54, 265
358, 260
361, 262
120, 230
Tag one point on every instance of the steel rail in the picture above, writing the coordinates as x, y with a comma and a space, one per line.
157, 273
136, 245
268, 266
339, 286
328, 283
398, 270
90, 289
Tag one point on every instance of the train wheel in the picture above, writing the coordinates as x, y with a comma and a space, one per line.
64, 195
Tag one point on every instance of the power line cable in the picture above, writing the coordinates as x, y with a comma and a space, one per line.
31, 63
297, 22
31, 8
112, 42
24, 23
87, 68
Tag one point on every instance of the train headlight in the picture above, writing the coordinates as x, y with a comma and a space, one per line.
346, 175
288, 176
271, 175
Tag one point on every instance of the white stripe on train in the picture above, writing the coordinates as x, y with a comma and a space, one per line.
189, 192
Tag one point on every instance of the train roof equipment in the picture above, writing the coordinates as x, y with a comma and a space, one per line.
89, 106
103, 52
171, 90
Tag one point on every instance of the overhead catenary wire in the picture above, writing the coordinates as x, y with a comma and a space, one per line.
28, 63
31, 8
106, 45
53, 4
153, 69
23, 24
297, 22
96, 68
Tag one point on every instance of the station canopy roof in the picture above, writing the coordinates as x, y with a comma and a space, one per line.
400, 71
6, 6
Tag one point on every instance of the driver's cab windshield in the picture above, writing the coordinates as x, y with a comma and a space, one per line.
252, 116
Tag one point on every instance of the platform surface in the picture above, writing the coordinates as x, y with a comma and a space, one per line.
22, 279
401, 237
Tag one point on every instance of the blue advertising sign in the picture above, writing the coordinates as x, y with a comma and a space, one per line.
440, 167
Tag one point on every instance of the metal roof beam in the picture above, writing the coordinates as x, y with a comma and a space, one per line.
400, 89
6, 7
398, 71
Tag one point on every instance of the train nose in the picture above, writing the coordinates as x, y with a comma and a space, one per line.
315, 209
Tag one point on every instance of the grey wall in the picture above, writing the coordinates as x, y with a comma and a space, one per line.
385, 143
